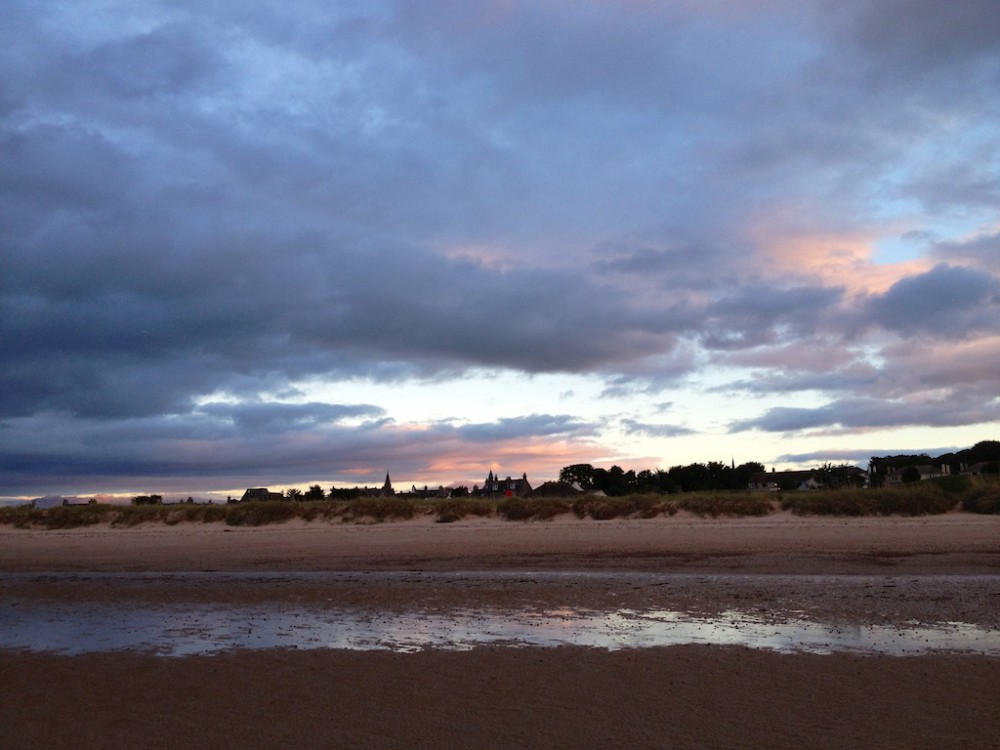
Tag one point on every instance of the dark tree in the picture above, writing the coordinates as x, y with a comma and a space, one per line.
743, 473
615, 481
788, 484
582, 473
987, 450
691, 478
714, 475
841, 475
649, 482
344, 493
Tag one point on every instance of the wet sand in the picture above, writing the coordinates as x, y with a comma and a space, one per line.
683, 697
894, 570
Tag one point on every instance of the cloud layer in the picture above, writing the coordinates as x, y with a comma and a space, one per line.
206, 207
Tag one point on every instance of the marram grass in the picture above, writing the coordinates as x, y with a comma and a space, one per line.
971, 494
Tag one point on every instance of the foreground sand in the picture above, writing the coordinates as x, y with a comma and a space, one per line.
684, 697
678, 697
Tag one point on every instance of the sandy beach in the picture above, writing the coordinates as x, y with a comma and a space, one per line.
872, 570
780, 543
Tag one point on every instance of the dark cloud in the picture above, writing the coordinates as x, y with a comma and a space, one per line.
221, 201
857, 377
848, 415
763, 313
635, 427
70, 169
859, 457
533, 425
956, 365
276, 417
166, 61
667, 259
252, 444
957, 184
944, 383
946, 301
915, 38
980, 252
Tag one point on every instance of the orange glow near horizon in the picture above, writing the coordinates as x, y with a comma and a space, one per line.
536, 457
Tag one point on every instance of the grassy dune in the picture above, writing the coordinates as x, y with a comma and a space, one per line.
972, 494
976, 494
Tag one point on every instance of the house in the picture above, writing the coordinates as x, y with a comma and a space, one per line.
557, 489
386, 490
921, 472
258, 494
982, 467
496, 487
783, 480
441, 493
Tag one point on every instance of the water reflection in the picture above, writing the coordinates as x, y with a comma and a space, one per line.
178, 630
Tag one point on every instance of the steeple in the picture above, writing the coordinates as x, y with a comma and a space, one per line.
387, 487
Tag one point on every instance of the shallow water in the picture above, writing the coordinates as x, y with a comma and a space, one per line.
204, 629
198, 628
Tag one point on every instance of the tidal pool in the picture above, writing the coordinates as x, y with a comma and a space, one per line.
179, 630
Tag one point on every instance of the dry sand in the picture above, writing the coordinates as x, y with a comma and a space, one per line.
899, 569
781, 543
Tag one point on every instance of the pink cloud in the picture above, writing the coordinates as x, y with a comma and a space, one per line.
837, 257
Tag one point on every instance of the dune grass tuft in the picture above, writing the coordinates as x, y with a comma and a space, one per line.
715, 504
455, 509
379, 509
532, 509
916, 499
983, 495
628, 506
59, 517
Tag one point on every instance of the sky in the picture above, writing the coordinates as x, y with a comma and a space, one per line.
285, 243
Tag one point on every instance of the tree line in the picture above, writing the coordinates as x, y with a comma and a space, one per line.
985, 453
695, 477
316, 492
